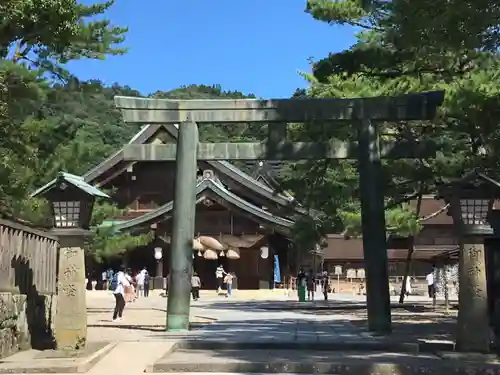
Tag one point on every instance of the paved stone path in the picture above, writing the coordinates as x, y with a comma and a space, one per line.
232, 319
270, 317
238, 319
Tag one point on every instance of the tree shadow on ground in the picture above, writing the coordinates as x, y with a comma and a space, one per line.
100, 310
205, 356
283, 341
315, 306
411, 322
420, 326
130, 327
325, 331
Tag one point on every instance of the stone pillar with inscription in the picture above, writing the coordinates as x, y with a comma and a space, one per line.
473, 329
71, 313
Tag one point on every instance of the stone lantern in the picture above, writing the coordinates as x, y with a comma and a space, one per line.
71, 200
471, 201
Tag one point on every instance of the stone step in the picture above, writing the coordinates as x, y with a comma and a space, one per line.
56, 361
264, 361
308, 342
270, 345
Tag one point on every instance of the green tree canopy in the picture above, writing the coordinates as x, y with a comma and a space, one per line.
392, 57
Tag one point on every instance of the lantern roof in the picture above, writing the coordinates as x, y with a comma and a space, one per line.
71, 179
473, 184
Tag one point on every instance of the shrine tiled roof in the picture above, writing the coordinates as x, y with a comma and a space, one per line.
222, 167
210, 188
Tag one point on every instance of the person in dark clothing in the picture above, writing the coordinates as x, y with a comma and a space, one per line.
195, 286
146, 284
325, 285
219, 274
301, 285
311, 284
301, 277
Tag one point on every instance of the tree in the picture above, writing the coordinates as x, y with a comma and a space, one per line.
20, 90
106, 243
377, 65
430, 27
47, 33
38, 37
214, 132
409, 49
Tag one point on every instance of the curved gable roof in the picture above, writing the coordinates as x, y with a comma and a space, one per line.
141, 137
222, 167
209, 187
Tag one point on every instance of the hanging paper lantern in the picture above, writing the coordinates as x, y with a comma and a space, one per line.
210, 243
210, 254
197, 245
233, 254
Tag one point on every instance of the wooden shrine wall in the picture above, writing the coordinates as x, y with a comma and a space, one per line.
213, 223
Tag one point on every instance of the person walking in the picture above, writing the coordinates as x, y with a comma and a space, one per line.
311, 285
104, 277
228, 280
130, 295
118, 285
431, 290
301, 285
140, 278
325, 284
408, 286
109, 277
195, 286
147, 278
219, 275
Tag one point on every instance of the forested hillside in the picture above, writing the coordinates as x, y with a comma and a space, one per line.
74, 126
82, 125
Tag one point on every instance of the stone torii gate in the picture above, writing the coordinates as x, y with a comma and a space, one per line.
364, 112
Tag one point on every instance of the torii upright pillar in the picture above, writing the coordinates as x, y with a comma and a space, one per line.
181, 251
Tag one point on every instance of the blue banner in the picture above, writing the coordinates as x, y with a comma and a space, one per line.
277, 273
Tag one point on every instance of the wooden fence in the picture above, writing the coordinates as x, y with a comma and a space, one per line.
28, 259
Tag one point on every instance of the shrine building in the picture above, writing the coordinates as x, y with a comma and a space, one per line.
244, 212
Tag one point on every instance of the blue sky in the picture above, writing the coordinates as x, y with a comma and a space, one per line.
255, 46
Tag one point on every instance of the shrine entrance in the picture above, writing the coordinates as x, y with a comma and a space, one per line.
368, 150
206, 270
